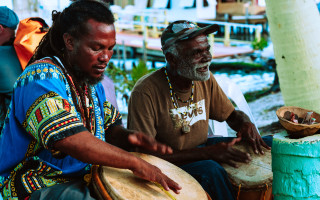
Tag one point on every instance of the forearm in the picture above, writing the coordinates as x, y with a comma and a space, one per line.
182, 157
237, 119
118, 136
89, 149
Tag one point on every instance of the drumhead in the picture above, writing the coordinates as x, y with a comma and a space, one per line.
255, 174
122, 184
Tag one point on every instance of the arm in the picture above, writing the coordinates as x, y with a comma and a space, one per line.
87, 148
128, 139
221, 153
241, 123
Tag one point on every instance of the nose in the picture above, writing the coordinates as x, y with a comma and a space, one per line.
207, 56
105, 56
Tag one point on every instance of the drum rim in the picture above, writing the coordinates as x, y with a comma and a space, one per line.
250, 188
98, 171
98, 185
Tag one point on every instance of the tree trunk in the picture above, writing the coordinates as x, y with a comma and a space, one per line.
295, 33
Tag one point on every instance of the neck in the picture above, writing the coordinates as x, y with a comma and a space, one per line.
179, 82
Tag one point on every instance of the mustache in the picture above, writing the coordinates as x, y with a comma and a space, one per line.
203, 65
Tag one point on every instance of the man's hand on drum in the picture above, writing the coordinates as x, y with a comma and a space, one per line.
148, 143
152, 173
224, 152
249, 132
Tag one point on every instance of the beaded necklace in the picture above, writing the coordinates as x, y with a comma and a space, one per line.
174, 97
88, 106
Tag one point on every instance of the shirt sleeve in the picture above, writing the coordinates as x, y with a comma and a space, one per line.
141, 114
220, 106
112, 116
43, 107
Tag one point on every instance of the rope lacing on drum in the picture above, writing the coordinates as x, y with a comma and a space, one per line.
265, 193
264, 196
239, 192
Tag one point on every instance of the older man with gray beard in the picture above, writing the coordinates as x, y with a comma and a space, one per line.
174, 104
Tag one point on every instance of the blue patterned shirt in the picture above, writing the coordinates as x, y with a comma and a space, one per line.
42, 112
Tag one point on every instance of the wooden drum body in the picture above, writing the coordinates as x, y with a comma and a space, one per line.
253, 180
121, 184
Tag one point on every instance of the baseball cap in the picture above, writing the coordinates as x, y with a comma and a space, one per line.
183, 30
8, 17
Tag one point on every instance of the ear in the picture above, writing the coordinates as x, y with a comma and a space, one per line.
170, 58
68, 41
1, 28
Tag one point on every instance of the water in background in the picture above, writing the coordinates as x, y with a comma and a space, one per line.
248, 82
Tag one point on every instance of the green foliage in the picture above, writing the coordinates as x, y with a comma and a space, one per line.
125, 80
259, 45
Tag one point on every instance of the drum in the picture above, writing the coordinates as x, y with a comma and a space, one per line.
115, 184
252, 180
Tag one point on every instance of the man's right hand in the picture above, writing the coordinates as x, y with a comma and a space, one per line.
225, 153
146, 142
152, 173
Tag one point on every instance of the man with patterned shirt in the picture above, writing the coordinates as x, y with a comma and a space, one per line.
59, 122
174, 104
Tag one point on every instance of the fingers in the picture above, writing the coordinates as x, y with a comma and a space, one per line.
149, 143
265, 145
232, 164
234, 141
253, 143
168, 183
152, 173
239, 156
259, 143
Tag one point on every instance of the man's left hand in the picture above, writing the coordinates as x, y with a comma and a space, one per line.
249, 132
147, 142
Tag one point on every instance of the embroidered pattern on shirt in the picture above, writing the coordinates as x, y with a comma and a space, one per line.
111, 115
49, 115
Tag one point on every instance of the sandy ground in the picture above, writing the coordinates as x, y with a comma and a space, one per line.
264, 109
264, 112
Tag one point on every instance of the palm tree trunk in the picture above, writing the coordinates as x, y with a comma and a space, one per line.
295, 33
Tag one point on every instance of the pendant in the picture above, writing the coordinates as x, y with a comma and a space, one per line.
185, 127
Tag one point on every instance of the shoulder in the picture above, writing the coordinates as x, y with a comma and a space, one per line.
151, 80
43, 67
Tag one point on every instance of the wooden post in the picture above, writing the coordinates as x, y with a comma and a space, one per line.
118, 56
144, 42
258, 34
211, 43
140, 27
124, 55
226, 35
165, 17
116, 23
154, 28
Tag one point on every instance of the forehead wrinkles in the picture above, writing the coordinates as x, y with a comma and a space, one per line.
202, 40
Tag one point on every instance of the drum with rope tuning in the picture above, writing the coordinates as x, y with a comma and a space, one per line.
253, 180
121, 184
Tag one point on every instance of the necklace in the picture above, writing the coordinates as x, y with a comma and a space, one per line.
86, 105
174, 98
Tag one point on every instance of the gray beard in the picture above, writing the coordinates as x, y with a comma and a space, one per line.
189, 71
